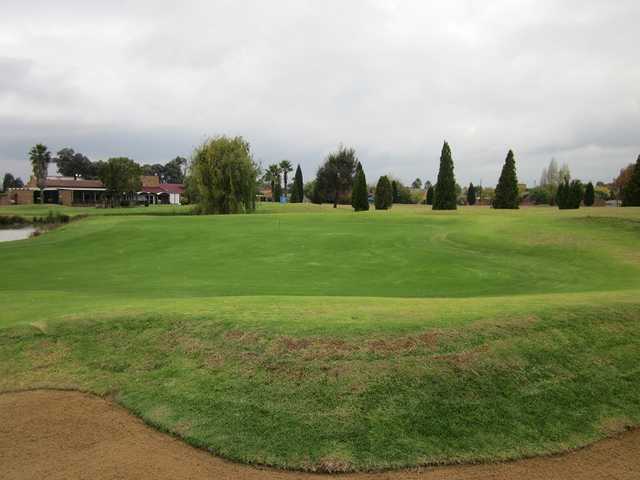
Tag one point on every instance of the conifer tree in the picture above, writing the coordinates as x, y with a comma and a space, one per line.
589, 195
506, 195
631, 192
430, 193
297, 189
576, 193
394, 192
360, 192
384, 196
569, 195
562, 195
471, 194
445, 192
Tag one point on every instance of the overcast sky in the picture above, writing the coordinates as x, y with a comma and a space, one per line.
152, 79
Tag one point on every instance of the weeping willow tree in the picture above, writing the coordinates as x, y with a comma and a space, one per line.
225, 175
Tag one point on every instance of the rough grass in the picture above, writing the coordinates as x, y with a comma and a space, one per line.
418, 337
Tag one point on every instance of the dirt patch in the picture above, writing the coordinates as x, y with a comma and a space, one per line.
71, 435
249, 338
463, 360
318, 348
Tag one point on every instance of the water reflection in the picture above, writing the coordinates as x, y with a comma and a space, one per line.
7, 235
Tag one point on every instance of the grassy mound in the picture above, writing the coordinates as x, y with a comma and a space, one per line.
334, 341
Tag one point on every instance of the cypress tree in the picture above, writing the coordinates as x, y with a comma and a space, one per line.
394, 192
631, 192
471, 194
589, 195
576, 193
384, 196
297, 189
430, 193
506, 195
360, 192
445, 193
570, 194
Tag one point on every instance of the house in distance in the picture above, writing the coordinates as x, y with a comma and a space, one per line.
79, 192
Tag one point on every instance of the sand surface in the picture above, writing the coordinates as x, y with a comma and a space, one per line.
70, 435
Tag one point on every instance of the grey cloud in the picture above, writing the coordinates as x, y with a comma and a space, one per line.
393, 79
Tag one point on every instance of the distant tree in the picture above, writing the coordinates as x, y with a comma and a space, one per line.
383, 198
173, 171
18, 183
335, 177
631, 192
589, 195
191, 194
277, 191
272, 176
297, 189
562, 195
121, 178
550, 175
72, 164
40, 157
226, 175
478, 191
394, 191
417, 183
551, 178
93, 169
286, 168
430, 195
360, 191
311, 192
507, 189
539, 195
569, 194
471, 194
400, 192
564, 173
576, 193
445, 193
155, 170
8, 182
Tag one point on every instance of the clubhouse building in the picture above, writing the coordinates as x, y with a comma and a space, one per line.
81, 192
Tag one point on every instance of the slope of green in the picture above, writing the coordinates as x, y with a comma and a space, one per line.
321, 339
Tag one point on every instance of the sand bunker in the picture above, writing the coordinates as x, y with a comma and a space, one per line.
71, 435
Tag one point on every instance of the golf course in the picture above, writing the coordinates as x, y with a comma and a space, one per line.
310, 338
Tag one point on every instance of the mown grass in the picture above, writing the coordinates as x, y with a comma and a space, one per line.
37, 210
338, 341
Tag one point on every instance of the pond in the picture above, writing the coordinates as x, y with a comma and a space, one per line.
7, 235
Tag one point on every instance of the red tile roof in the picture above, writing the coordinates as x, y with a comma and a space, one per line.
165, 188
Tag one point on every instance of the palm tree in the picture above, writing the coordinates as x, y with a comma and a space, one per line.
272, 175
285, 168
39, 156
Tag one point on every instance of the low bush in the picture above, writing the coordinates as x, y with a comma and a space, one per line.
52, 219
12, 221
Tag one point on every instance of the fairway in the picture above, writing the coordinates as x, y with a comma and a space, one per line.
319, 339
405, 253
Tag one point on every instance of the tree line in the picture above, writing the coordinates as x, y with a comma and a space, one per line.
223, 177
